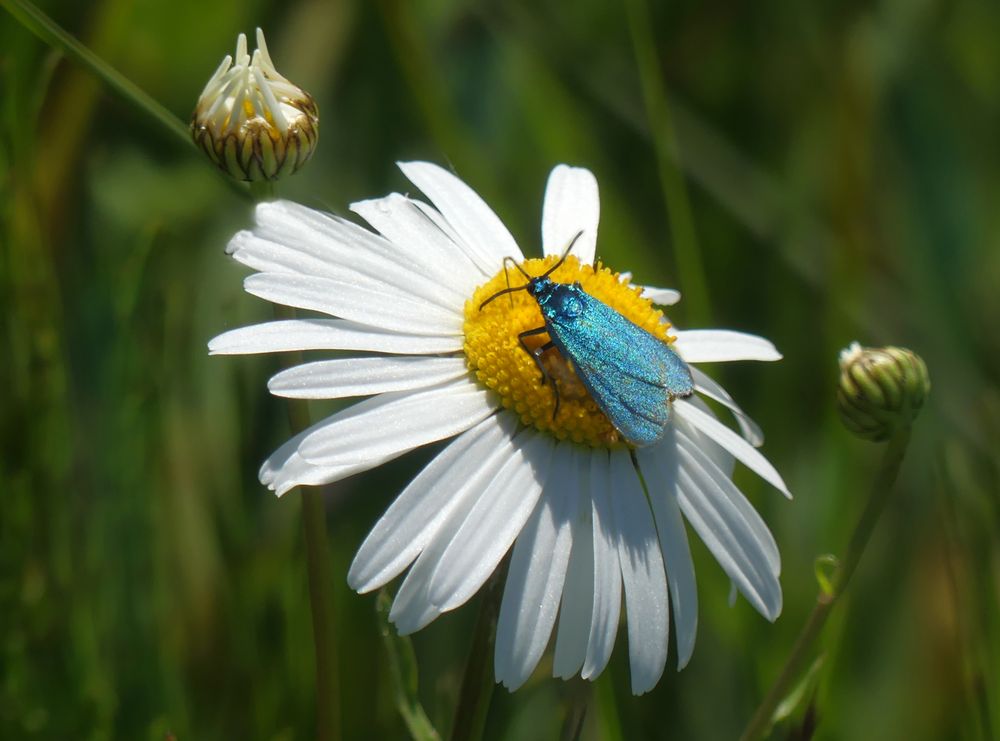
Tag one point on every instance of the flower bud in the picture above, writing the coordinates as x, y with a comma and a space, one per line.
881, 389
251, 121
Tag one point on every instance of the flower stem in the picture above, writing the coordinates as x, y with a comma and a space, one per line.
675, 195
321, 601
403, 673
478, 682
576, 713
317, 565
801, 653
46, 29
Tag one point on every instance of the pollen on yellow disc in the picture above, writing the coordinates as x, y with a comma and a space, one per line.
500, 362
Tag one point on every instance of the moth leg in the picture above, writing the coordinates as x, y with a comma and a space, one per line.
536, 355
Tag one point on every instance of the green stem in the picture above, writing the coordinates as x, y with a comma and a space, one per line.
801, 653
321, 601
318, 569
55, 36
403, 673
478, 682
576, 713
609, 719
675, 195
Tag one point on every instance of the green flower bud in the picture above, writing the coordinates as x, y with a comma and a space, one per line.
881, 389
252, 122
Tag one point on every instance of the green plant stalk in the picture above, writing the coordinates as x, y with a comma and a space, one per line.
478, 681
55, 36
576, 712
801, 653
403, 673
317, 565
317, 550
675, 195
609, 719
321, 605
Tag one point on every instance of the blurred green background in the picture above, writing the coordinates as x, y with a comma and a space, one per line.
843, 167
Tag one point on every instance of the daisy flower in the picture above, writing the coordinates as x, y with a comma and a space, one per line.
588, 517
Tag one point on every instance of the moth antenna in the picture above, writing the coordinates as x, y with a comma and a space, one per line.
501, 292
513, 262
546, 274
506, 275
565, 254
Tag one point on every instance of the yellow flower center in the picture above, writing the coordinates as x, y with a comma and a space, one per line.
495, 354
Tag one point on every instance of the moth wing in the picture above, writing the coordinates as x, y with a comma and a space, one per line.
631, 374
601, 332
636, 409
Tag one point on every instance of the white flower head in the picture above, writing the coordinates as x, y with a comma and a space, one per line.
251, 121
587, 516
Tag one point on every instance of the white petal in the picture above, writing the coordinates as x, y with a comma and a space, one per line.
296, 471
743, 519
285, 468
473, 221
722, 345
462, 469
290, 238
365, 304
572, 205
402, 221
379, 429
607, 572
719, 455
659, 467
732, 442
326, 334
725, 534
412, 609
537, 573
492, 524
661, 296
335, 379
646, 602
576, 607
707, 386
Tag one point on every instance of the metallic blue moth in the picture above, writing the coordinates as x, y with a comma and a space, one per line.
631, 374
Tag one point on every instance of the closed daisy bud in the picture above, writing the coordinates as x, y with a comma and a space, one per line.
252, 122
881, 389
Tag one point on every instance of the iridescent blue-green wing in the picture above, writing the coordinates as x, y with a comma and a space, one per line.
631, 374
640, 412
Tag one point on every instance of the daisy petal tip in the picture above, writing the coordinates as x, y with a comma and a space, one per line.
406, 625
361, 579
281, 489
783, 488
359, 586
237, 241
412, 166
511, 684
640, 690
